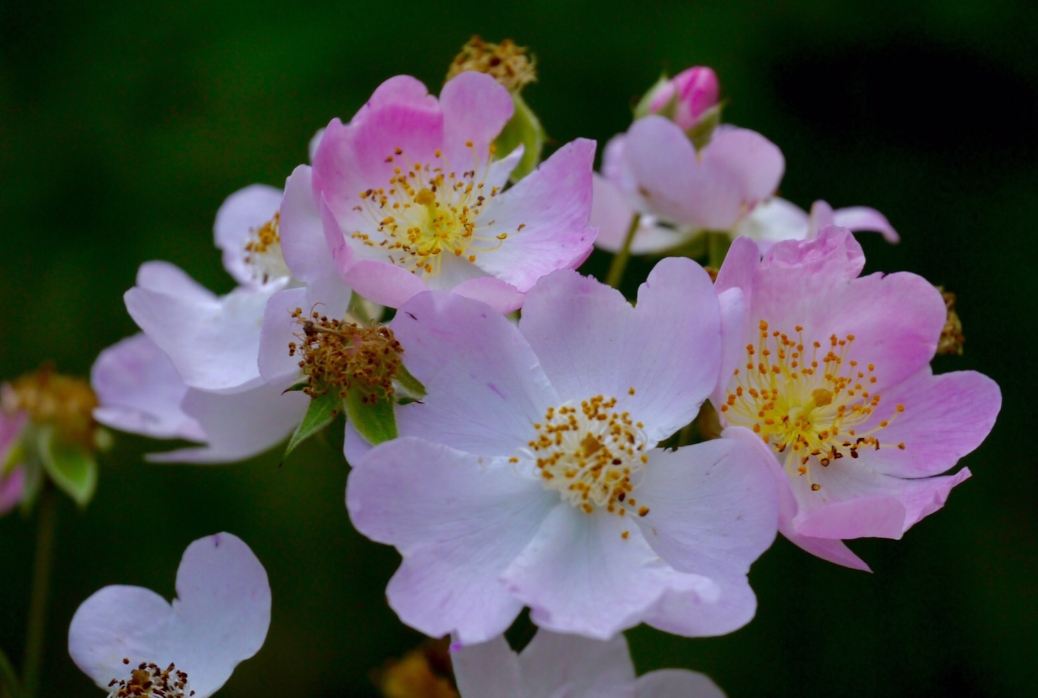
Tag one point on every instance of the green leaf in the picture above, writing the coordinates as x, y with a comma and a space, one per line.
322, 410
409, 384
372, 416
70, 466
523, 128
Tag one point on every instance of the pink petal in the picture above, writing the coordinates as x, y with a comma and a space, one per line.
458, 520
12, 487
140, 392
697, 606
499, 295
277, 367
383, 283
485, 385
475, 109
945, 417
238, 425
489, 669
305, 247
590, 341
612, 213
858, 218
212, 342
579, 564
713, 508
827, 549
710, 190
676, 683
570, 665
545, 216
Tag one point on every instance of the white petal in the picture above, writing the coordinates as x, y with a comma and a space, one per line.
487, 670
677, 683
240, 214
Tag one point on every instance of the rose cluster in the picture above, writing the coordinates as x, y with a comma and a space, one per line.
521, 433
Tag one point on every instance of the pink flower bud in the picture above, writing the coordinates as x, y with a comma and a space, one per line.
694, 91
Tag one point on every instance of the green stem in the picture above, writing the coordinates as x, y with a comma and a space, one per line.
717, 245
9, 679
619, 265
42, 566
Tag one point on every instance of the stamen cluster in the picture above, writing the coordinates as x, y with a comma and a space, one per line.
505, 62
336, 355
805, 401
51, 398
428, 210
590, 453
151, 681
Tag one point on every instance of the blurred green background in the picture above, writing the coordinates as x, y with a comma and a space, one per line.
124, 125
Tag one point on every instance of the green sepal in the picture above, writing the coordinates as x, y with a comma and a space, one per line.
70, 466
371, 414
296, 388
409, 385
320, 413
693, 248
523, 128
703, 129
641, 109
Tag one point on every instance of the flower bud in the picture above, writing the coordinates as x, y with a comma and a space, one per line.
685, 97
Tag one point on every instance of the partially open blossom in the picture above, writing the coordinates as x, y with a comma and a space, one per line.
132, 642
681, 192
413, 197
830, 373
567, 665
686, 96
530, 473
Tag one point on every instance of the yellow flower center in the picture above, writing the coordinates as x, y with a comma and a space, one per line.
590, 454
428, 212
806, 401
149, 681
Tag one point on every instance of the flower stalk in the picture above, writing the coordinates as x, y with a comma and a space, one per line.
41, 576
619, 265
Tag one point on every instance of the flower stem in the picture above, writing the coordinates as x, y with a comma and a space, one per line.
9, 687
717, 248
619, 265
44, 562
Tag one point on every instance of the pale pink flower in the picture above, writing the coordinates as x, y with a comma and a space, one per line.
830, 374
655, 170
413, 197
777, 219
529, 474
554, 665
123, 636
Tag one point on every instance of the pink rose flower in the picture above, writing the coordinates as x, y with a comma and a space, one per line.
830, 374
530, 474
413, 197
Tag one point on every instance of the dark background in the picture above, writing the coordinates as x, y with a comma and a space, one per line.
124, 125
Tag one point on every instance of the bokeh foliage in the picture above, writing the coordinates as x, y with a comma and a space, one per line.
123, 126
